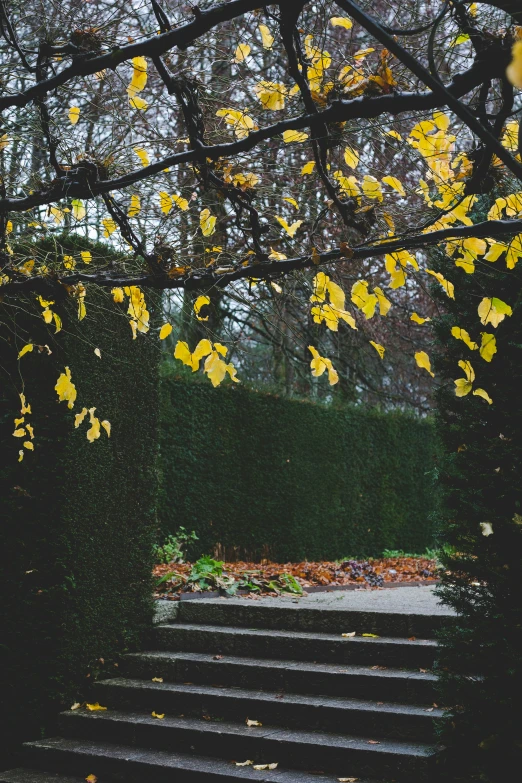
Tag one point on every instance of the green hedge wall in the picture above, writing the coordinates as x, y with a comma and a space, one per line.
78, 518
265, 476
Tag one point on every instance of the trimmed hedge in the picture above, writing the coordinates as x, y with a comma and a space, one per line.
258, 475
78, 518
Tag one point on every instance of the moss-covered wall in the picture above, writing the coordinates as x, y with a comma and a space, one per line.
261, 475
78, 518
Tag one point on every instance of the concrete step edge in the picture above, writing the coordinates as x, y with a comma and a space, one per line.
306, 738
298, 700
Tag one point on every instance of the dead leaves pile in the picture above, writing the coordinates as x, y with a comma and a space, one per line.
308, 574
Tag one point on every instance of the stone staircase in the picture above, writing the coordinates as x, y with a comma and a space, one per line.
331, 707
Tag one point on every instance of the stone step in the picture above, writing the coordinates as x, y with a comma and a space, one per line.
23, 775
366, 682
291, 749
298, 617
327, 713
297, 645
120, 763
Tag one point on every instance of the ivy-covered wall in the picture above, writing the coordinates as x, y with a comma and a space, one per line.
78, 518
261, 475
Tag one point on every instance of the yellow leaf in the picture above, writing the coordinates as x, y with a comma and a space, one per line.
247, 763
394, 183
78, 209
165, 330
493, 311
271, 95
423, 361
65, 388
180, 202
484, 395
69, 262
207, 222
319, 364
19, 432
157, 679
241, 123
266, 37
462, 334
200, 302
24, 408
95, 707
80, 417
290, 230
253, 722
371, 187
165, 202
91, 779
291, 201
242, 52
394, 134
266, 766
447, 286
97, 353
308, 167
348, 635
384, 303
418, 318
362, 299
341, 21
74, 115
371, 635
486, 528
514, 69
379, 348
157, 715
57, 214
86, 256
93, 433
276, 255
26, 349
488, 346
294, 135
4, 141
142, 155
138, 103
47, 315
107, 427
135, 206
109, 225
20, 455
30, 430
351, 157
139, 76
117, 295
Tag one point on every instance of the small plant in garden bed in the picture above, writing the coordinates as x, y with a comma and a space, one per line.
274, 578
171, 551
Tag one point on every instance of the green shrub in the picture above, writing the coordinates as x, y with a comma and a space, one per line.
256, 475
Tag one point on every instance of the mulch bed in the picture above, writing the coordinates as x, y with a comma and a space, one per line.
268, 578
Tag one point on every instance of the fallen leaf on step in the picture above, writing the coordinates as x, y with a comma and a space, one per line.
157, 715
373, 742
347, 780
253, 722
246, 763
95, 707
348, 635
157, 679
430, 709
217, 657
76, 705
374, 668
424, 671
371, 635
91, 778
412, 639
266, 766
